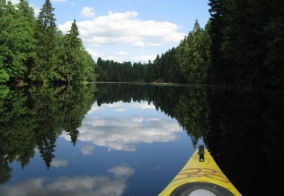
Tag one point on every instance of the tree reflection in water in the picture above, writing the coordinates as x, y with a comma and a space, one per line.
240, 127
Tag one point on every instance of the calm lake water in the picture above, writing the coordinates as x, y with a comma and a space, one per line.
131, 140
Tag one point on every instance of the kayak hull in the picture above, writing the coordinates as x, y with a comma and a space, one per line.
200, 174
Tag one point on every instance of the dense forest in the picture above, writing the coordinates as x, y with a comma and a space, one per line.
186, 63
34, 50
242, 46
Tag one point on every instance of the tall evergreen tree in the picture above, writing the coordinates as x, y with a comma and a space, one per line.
73, 46
217, 67
45, 34
69, 53
158, 67
193, 56
244, 43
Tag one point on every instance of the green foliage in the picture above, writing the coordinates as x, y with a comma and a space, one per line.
188, 63
192, 111
16, 39
4, 91
88, 67
33, 118
35, 51
241, 45
75, 63
111, 71
188, 106
193, 56
16, 136
246, 43
45, 34
4, 76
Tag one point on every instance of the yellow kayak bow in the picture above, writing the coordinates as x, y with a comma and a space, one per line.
200, 176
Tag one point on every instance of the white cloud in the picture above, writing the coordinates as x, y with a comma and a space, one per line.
59, 163
87, 150
121, 53
121, 171
121, 109
139, 44
137, 119
118, 106
95, 55
87, 12
154, 44
15, 1
80, 185
58, 0
120, 134
125, 30
144, 58
143, 105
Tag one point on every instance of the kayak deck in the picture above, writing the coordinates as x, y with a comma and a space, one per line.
200, 176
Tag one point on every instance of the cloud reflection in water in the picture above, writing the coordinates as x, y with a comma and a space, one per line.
73, 186
115, 130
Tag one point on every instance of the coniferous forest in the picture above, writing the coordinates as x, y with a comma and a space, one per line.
241, 46
33, 50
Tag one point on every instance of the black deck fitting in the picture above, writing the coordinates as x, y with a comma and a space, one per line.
201, 153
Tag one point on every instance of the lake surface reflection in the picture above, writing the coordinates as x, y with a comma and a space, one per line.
120, 151
126, 140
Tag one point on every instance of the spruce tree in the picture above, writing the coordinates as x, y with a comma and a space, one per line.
45, 33
217, 68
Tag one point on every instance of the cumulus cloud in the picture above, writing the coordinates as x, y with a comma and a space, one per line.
80, 185
121, 171
87, 150
118, 106
121, 109
142, 105
58, 0
104, 36
87, 12
95, 55
144, 58
121, 53
59, 163
137, 118
124, 134
139, 44
15, 1
117, 28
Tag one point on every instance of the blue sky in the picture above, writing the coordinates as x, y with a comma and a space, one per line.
128, 30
